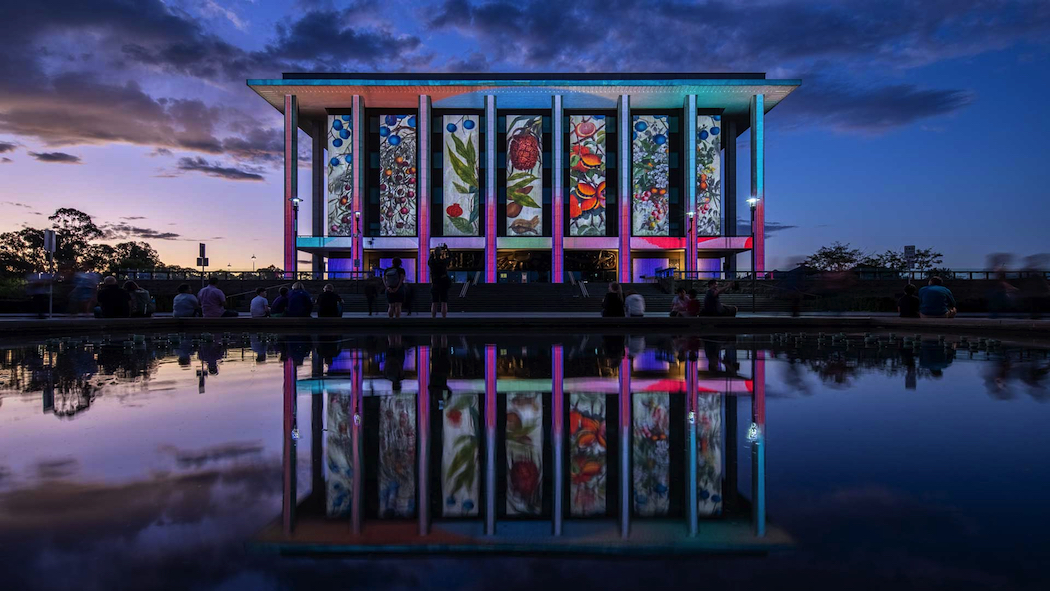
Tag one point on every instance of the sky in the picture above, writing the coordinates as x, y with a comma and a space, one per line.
918, 122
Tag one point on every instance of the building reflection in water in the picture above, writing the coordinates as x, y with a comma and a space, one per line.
600, 445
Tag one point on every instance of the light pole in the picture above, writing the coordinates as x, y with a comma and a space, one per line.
689, 248
295, 234
752, 203
253, 263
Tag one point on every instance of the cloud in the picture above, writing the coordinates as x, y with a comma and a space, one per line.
744, 227
125, 231
233, 450
59, 157
229, 173
56, 469
17, 204
7, 147
6, 160
133, 217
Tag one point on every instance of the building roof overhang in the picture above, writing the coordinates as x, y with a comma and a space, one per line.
320, 94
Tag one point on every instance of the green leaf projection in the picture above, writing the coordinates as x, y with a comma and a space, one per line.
649, 176
340, 176
587, 175
397, 175
524, 175
460, 466
524, 454
460, 190
708, 176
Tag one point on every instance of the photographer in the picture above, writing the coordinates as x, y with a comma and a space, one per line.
713, 303
440, 282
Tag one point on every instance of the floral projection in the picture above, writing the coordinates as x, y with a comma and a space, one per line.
460, 194
524, 454
587, 175
397, 175
397, 456
708, 176
588, 454
460, 467
651, 450
649, 174
524, 175
339, 455
709, 454
340, 176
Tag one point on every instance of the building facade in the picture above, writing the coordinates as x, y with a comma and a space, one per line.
524, 177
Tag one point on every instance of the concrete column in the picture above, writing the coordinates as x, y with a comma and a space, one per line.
356, 445
291, 180
423, 412
558, 433
557, 192
626, 479
288, 496
758, 446
623, 111
490, 440
317, 184
729, 184
690, 182
490, 189
360, 168
691, 384
758, 177
423, 189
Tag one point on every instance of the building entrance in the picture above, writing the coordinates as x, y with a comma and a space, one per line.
523, 266
592, 265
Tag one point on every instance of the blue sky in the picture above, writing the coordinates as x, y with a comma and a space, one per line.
919, 122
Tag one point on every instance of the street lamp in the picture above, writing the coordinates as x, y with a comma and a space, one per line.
253, 263
690, 248
752, 203
295, 232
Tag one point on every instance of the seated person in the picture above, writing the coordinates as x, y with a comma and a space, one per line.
329, 304
260, 307
713, 303
692, 305
680, 303
185, 304
280, 303
908, 305
936, 301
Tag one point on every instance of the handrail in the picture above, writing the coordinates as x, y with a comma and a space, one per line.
583, 289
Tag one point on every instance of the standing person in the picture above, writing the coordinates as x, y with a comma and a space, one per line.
692, 306
142, 305
612, 305
329, 304
38, 286
680, 303
908, 305
372, 289
213, 300
260, 306
713, 302
440, 282
85, 286
280, 303
635, 304
300, 304
394, 282
113, 302
185, 304
936, 301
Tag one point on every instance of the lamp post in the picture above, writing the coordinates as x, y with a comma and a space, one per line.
253, 263
690, 249
752, 203
355, 232
295, 234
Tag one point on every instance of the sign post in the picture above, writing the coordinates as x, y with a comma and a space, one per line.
909, 257
50, 245
202, 262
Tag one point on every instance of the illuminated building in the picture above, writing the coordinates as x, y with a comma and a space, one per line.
550, 173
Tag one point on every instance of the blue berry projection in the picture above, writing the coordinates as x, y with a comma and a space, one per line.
708, 176
397, 175
586, 175
461, 196
649, 176
340, 176
524, 175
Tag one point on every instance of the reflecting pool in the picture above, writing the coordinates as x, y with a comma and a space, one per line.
263, 461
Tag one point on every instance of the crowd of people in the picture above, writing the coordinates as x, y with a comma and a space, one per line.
933, 300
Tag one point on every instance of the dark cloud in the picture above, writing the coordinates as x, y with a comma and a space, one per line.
55, 469
7, 147
203, 166
744, 227
125, 231
227, 451
17, 204
5, 160
133, 217
59, 157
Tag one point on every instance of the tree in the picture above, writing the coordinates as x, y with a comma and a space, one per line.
134, 255
74, 231
837, 257
22, 252
925, 258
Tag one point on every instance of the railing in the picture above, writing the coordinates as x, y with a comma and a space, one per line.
468, 283
863, 275
124, 275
